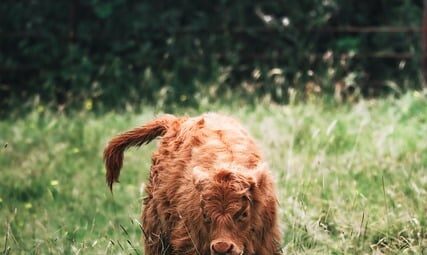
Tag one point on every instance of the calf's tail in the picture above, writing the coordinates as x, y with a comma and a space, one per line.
113, 153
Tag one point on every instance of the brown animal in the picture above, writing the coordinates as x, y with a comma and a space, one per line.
209, 191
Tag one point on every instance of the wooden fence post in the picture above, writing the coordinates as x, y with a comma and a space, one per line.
424, 43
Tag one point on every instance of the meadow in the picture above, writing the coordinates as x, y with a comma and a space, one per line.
351, 178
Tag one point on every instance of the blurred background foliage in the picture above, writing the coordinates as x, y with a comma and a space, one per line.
103, 54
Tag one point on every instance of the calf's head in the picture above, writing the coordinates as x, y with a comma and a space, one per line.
232, 207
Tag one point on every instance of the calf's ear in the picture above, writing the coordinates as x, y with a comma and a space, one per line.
266, 211
200, 176
260, 176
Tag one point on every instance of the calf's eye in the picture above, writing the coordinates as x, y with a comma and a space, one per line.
206, 218
243, 216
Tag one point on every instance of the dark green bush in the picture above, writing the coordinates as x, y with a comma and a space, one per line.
124, 51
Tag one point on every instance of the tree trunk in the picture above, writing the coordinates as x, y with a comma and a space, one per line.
73, 20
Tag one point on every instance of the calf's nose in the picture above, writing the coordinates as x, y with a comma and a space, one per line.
221, 247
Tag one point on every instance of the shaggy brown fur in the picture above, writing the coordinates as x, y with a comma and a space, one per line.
209, 191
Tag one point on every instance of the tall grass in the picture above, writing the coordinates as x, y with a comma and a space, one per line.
352, 179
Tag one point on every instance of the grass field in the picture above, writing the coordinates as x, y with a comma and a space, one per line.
352, 179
